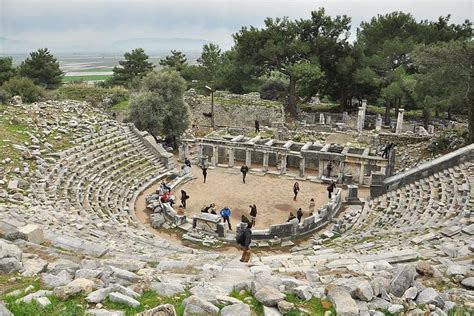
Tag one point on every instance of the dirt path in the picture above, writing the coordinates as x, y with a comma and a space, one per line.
272, 195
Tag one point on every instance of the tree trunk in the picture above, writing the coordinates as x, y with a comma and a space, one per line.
426, 117
343, 102
292, 97
449, 114
387, 113
437, 113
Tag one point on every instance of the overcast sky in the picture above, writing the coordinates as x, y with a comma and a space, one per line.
98, 23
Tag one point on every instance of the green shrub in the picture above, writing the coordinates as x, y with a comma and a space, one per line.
273, 90
94, 95
23, 87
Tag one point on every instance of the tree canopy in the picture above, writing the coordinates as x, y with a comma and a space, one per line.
43, 68
135, 66
176, 61
6, 69
159, 107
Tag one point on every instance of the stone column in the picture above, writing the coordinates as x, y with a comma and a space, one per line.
248, 158
321, 118
341, 170
302, 166
215, 155
361, 174
378, 122
430, 129
328, 120
360, 119
283, 164
231, 152
399, 127
265, 161
344, 117
199, 152
321, 168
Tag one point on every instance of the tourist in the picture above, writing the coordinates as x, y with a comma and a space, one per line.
164, 188
245, 219
187, 162
184, 197
329, 169
257, 126
253, 213
244, 238
386, 150
204, 172
311, 207
225, 213
244, 169
299, 214
205, 209
331, 188
296, 190
165, 197
291, 217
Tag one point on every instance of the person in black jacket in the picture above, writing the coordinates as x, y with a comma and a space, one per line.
245, 240
204, 173
184, 197
299, 214
253, 213
244, 169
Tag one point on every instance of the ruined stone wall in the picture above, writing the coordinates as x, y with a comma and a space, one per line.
233, 110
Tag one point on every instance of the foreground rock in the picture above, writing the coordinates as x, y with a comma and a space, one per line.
269, 296
194, 305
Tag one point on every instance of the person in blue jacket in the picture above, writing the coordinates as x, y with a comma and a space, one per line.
225, 213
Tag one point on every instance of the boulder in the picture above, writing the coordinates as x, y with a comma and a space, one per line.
303, 292
456, 269
424, 268
364, 291
269, 296
167, 289
124, 275
88, 274
429, 296
123, 299
209, 292
74, 287
162, 310
62, 264
33, 296
52, 281
195, 305
103, 312
4, 310
99, 295
43, 301
236, 309
32, 233
10, 265
410, 293
402, 280
468, 283
33, 266
343, 302
285, 307
8, 250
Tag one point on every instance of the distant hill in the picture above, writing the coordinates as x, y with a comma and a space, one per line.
8, 45
158, 45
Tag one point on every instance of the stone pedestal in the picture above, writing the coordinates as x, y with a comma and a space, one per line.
399, 127
352, 193
265, 161
378, 122
430, 129
376, 184
199, 152
231, 152
360, 119
321, 118
328, 120
348, 179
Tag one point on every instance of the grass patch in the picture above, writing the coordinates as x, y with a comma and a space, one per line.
246, 297
122, 105
20, 283
314, 306
85, 78
94, 95
73, 306
240, 102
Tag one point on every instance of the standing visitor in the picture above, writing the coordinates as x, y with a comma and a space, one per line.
187, 162
244, 169
296, 189
225, 214
330, 189
184, 197
291, 217
329, 169
299, 214
204, 172
253, 214
311, 207
244, 238
257, 126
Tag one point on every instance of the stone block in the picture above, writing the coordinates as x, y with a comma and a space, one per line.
33, 233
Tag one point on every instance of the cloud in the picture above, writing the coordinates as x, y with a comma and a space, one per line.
98, 23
